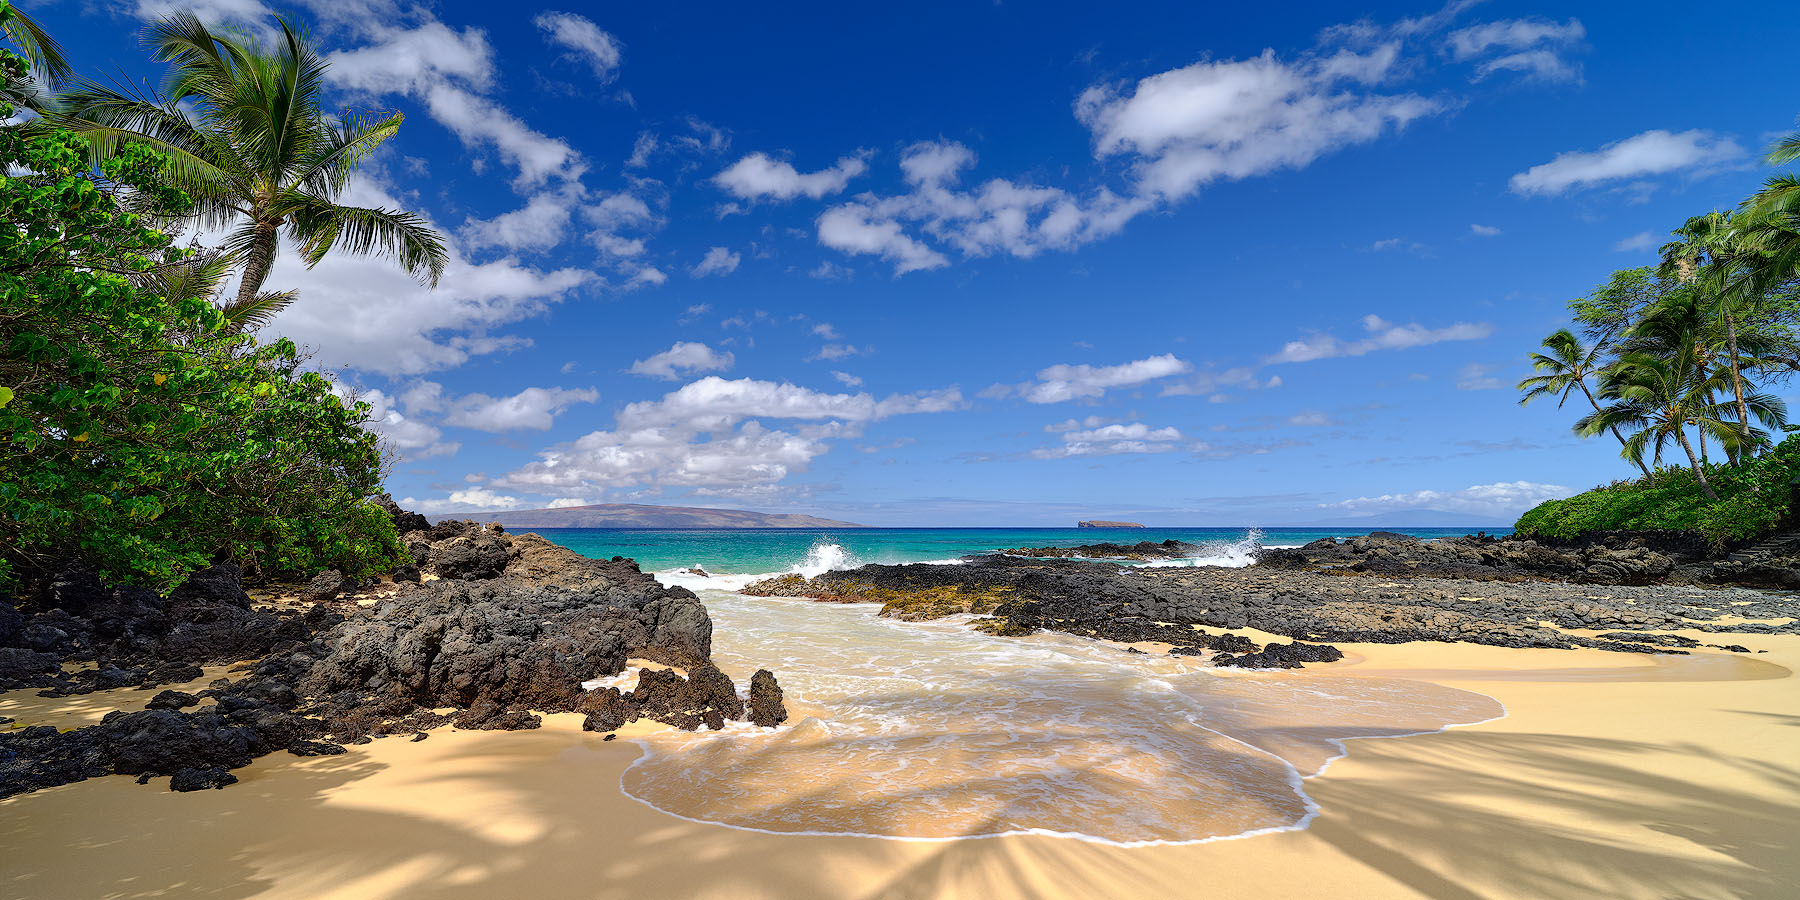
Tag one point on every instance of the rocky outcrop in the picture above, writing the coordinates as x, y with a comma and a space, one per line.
1610, 558
1197, 610
511, 627
1140, 550
766, 706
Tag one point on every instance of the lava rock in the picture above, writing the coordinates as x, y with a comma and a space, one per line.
201, 779
766, 706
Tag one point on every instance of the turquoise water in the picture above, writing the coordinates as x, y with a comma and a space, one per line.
758, 551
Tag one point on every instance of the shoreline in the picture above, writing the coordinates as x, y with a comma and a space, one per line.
547, 812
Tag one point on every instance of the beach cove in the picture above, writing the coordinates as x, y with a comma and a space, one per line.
1569, 773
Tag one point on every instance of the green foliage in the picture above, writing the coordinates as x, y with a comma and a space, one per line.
141, 432
1754, 499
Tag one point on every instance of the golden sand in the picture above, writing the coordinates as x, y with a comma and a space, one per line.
1612, 775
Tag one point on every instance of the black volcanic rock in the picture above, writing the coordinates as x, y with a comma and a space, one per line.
766, 706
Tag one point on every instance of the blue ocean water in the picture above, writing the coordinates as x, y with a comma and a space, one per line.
758, 551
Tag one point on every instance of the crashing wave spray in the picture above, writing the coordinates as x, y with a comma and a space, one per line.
824, 556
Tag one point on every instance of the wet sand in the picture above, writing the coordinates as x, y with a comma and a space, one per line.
1612, 775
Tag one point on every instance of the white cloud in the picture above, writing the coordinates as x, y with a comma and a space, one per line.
1651, 153
472, 500
1484, 230
836, 352
1533, 47
852, 228
717, 261
1502, 500
1310, 420
533, 408
1478, 377
685, 357
759, 176
1058, 383
707, 435
1107, 440
1238, 118
538, 225
1209, 381
565, 502
1383, 335
364, 312
410, 439
600, 50
846, 379
827, 331
1643, 240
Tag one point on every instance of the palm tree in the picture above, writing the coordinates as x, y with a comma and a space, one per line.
256, 153
40, 50
203, 272
1567, 366
1661, 395
1708, 251
1771, 222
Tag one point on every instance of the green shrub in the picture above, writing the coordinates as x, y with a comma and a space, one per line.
138, 432
1754, 499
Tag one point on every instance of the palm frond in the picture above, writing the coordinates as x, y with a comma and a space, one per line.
404, 237
38, 47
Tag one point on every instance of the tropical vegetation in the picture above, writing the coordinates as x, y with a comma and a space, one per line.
1678, 361
143, 427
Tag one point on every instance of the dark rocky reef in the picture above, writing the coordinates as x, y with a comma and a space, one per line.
1608, 558
1140, 550
1384, 588
509, 628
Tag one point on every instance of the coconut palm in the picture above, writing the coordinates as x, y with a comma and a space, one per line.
48, 65
203, 272
1566, 365
1659, 396
255, 152
1770, 223
1710, 253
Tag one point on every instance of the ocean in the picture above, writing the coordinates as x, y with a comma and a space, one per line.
810, 551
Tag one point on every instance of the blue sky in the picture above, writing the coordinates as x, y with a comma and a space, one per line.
1012, 264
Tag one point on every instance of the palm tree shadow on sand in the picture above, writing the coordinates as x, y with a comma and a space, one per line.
1453, 818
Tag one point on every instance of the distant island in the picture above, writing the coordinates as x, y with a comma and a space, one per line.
639, 515
1102, 523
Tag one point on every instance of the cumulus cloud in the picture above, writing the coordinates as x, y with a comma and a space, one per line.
1484, 230
760, 176
846, 379
1060, 383
1643, 240
1107, 440
565, 503
1382, 335
601, 51
717, 261
533, 409
709, 435
538, 225
685, 357
1237, 118
1655, 152
410, 439
466, 501
1502, 501
364, 312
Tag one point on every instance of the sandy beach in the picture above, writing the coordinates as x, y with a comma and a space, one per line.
1612, 775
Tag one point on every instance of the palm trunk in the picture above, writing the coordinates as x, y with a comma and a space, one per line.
1694, 462
1612, 428
258, 261
1737, 377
